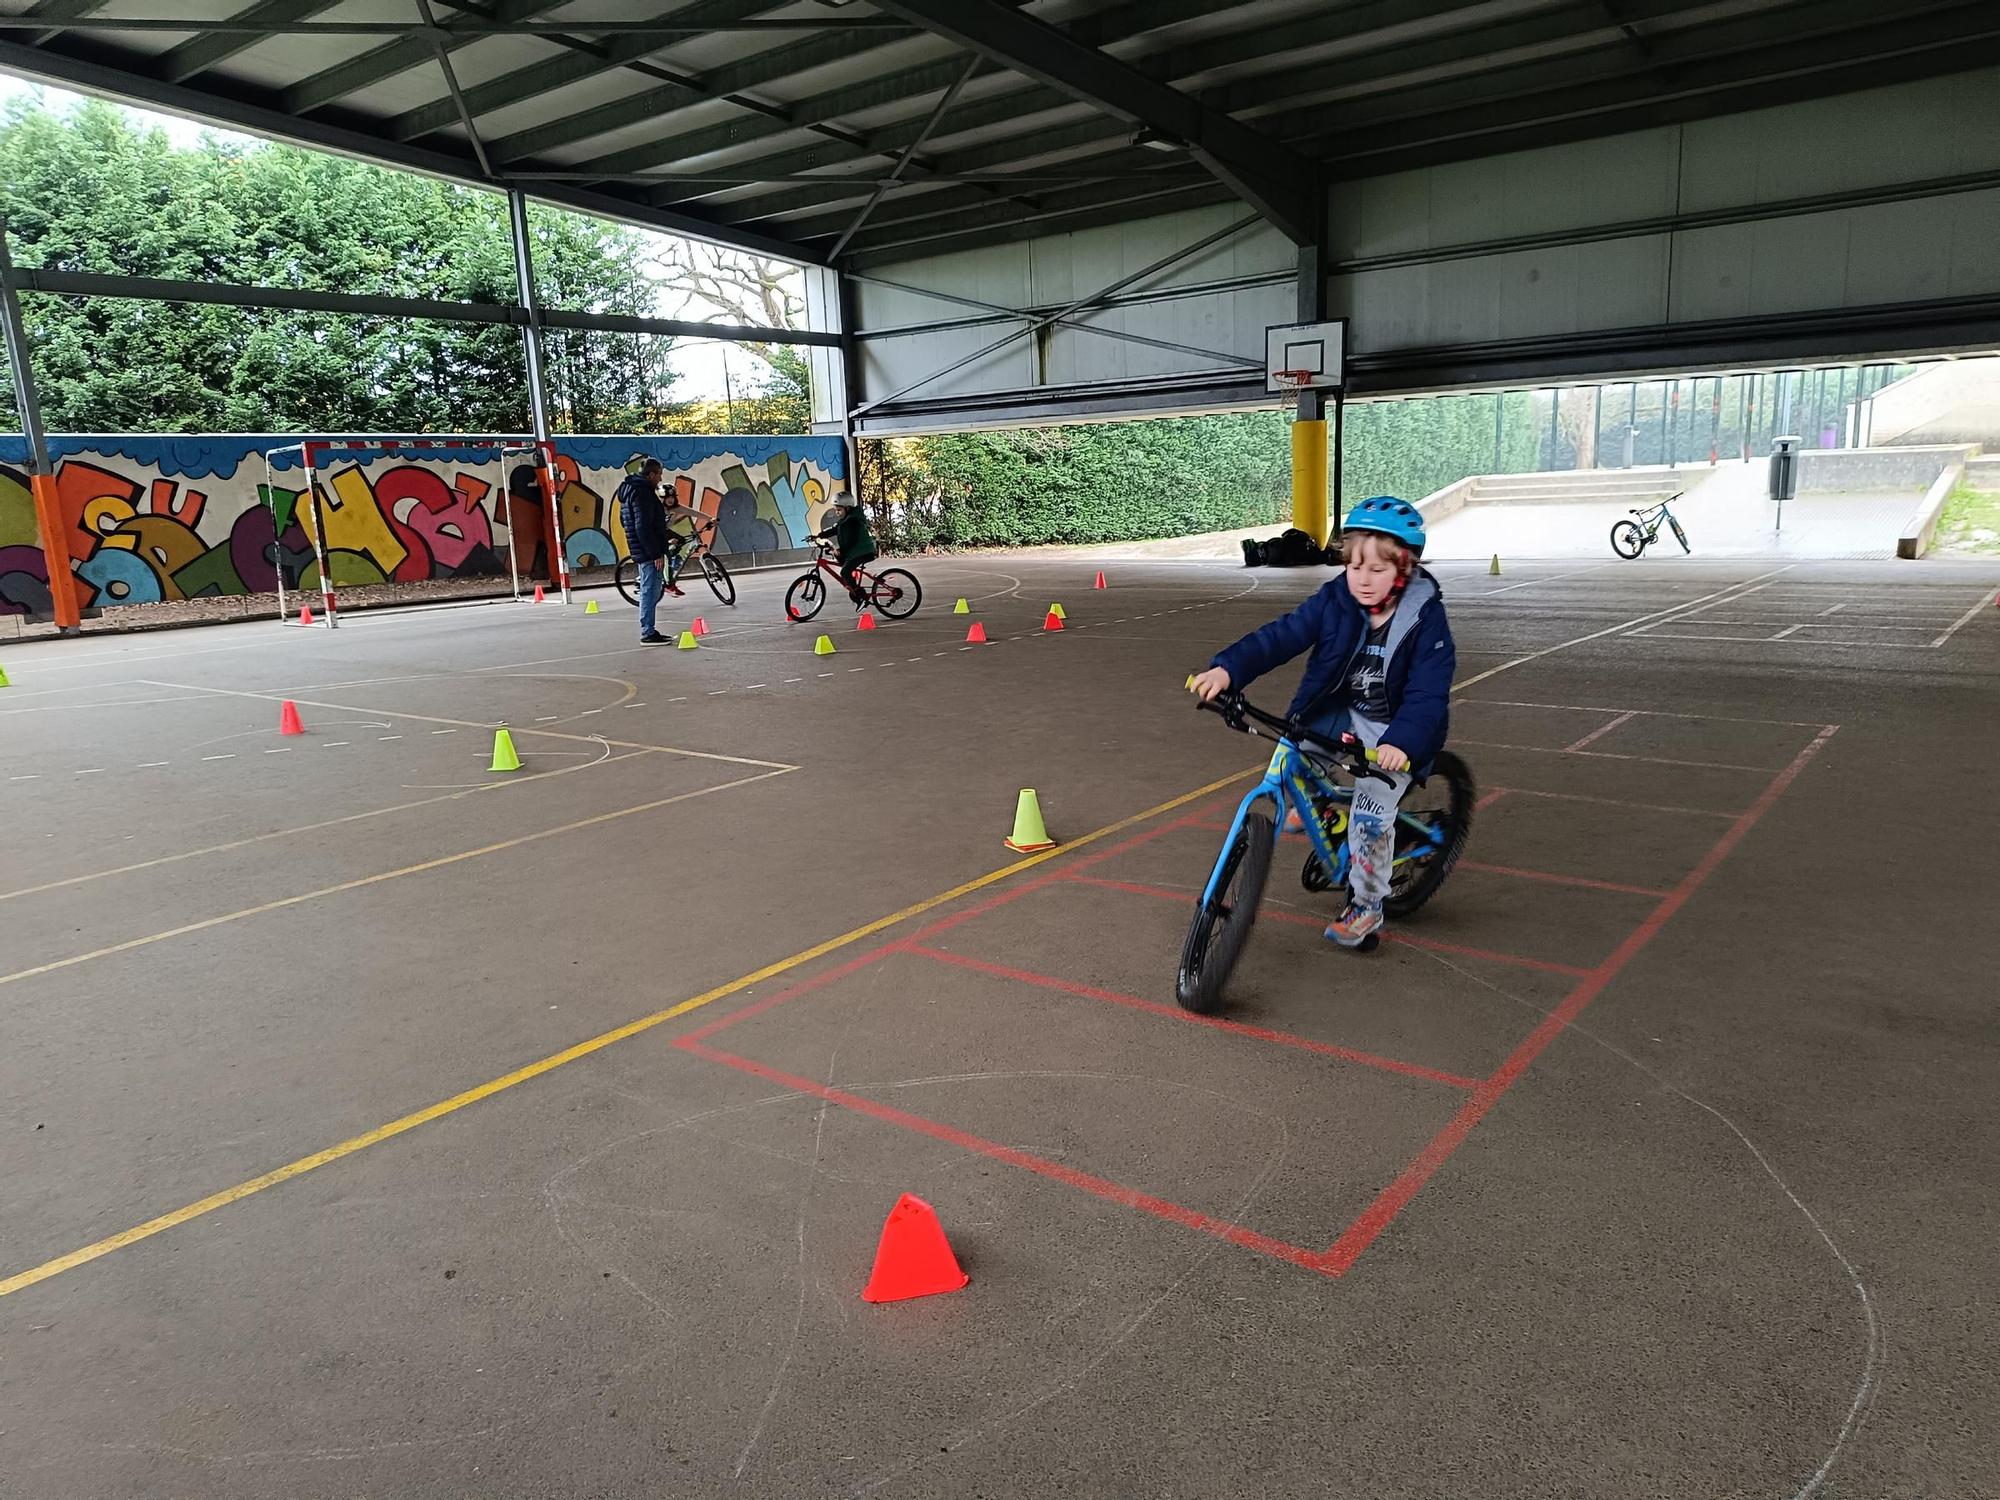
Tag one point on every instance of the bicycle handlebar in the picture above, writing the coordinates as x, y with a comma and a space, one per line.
1236, 711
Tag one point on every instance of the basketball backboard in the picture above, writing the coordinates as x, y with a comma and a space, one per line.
1320, 349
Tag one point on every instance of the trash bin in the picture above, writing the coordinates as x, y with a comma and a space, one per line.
1784, 468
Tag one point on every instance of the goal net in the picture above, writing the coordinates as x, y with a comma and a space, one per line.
361, 520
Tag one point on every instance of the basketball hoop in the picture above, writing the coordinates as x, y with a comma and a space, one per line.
1289, 384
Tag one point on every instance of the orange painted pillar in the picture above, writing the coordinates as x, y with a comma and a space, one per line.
55, 548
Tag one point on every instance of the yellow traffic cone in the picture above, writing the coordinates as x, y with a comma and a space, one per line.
591, 608
688, 642
961, 608
1029, 835
1494, 569
504, 758
1057, 611
823, 646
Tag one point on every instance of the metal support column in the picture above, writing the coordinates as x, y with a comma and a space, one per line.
41, 473
1309, 445
538, 398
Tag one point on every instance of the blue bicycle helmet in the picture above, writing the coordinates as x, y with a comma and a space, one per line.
1391, 517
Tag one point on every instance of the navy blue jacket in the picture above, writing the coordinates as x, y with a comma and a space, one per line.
644, 517
1422, 660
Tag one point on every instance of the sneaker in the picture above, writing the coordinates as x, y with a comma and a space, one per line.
674, 589
1355, 925
654, 638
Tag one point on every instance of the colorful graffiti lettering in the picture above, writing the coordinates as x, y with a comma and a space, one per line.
153, 520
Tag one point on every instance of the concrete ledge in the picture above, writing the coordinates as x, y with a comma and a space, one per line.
1833, 469
1922, 529
1983, 474
1448, 501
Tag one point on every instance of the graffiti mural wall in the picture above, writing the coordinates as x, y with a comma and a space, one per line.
154, 519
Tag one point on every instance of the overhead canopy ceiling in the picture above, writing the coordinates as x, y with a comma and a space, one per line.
965, 122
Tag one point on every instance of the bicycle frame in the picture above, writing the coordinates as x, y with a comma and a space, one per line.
1290, 780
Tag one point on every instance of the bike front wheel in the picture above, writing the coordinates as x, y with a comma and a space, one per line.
626, 576
1628, 539
804, 598
719, 581
1679, 535
1220, 927
896, 593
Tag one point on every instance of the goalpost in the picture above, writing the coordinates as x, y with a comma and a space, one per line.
312, 508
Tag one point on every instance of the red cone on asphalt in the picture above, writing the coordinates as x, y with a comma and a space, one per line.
538, 593
866, 622
1100, 579
913, 1258
700, 626
288, 719
976, 635
1053, 622
305, 614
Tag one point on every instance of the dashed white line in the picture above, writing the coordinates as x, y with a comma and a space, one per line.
219, 757
791, 680
281, 750
752, 686
914, 659
35, 777
444, 731
677, 700
91, 771
333, 744
547, 719
826, 674
718, 692
589, 711
381, 737
150, 765
857, 669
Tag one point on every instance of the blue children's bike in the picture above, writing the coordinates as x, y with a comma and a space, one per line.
1432, 823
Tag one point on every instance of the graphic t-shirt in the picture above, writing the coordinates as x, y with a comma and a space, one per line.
1368, 677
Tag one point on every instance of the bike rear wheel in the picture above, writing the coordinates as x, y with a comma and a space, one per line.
896, 593
626, 576
1628, 539
805, 596
1443, 805
719, 581
1220, 928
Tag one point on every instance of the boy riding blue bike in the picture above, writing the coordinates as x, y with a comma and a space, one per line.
1381, 669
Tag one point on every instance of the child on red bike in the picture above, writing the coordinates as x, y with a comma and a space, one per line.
1381, 669
854, 542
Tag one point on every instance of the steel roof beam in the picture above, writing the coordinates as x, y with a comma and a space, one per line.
377, 63
1280, 183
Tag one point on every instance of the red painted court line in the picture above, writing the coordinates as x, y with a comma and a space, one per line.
1097, 1187
1679, 812
841, 971
1554, 879
1492, 796
1391, 1201
1218, 1023
1519, 961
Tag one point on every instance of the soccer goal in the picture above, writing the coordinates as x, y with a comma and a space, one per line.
363, 513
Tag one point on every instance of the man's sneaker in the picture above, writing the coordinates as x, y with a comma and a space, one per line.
654, 638
674, 589
1355, 925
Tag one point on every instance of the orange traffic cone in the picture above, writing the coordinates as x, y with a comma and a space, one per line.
914, 1258
1100, 579
976, 635
1053, 622
305, 614
288, 719
866, 622
538, 593
700, 626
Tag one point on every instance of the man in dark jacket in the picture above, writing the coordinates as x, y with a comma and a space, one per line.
644, 518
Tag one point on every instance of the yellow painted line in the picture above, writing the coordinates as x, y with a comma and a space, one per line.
368, 880
391, 713
24, 1279
285, 833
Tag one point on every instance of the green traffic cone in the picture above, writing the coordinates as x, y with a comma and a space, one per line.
504, 758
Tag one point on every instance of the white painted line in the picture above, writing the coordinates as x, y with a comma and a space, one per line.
444, 731
1765, 640
826, 674
718, 692
218, 757
677, 700
751, 687
1651, 760
149, 765
91, 771
914, 659
588, 711
1789, 630
1521, 661
1601, 731
1553, 577
790, 680
381, 737
333, 744
281, 750
1644, 713
35, 777
547, 719
1963, 620
635, 705
936, 654
857, 669
1834, 608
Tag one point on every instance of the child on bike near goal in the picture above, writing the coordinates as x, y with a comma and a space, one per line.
1381, 668
855, 542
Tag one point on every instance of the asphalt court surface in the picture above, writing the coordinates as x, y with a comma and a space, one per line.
1641, 1162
